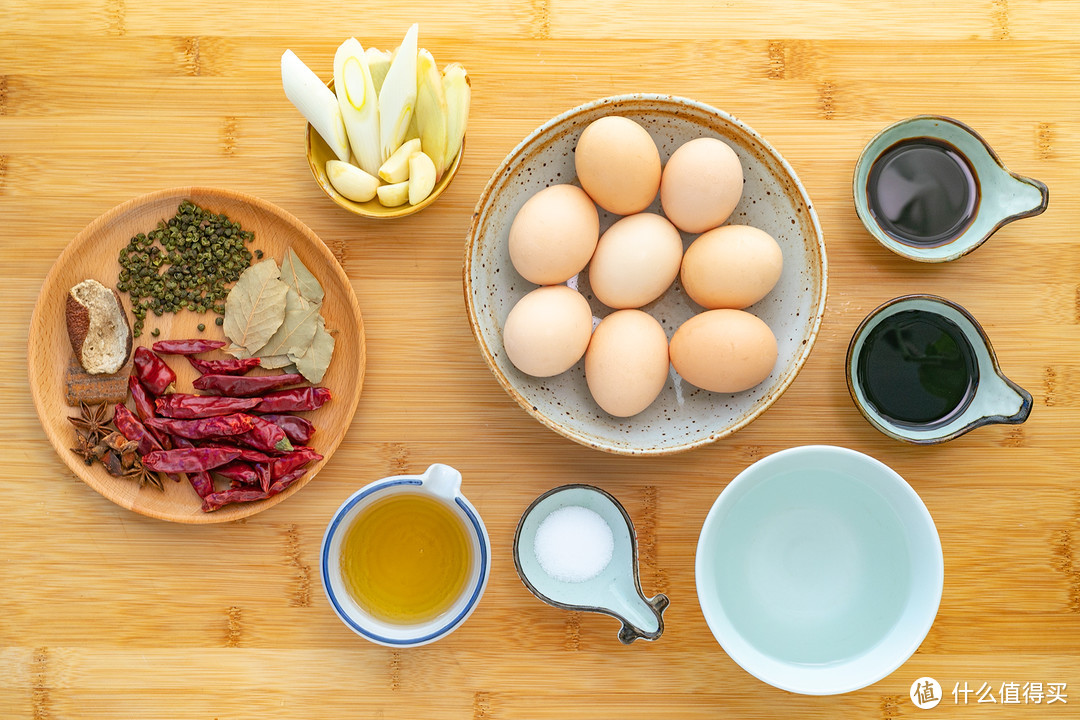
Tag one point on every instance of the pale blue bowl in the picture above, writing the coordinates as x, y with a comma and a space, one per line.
819, 570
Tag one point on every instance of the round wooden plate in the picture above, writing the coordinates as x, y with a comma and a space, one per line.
93, 254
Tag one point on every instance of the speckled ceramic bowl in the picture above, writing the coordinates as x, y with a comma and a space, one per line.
684, 416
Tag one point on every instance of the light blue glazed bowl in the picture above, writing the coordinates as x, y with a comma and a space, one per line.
995, 400
819, 570
615, 591
1004, 196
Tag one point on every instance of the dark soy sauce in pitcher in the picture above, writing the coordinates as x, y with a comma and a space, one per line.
922, 191
918, 369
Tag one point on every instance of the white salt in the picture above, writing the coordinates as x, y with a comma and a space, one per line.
573, 544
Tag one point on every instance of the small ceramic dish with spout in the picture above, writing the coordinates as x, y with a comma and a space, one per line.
616, 589
985, 194
921, 369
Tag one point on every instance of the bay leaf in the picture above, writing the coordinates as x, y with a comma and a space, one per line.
273, 362
313, 363
255, 307
296, 330
296, 275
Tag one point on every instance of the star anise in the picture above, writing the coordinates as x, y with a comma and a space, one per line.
92, 420
144, 475
84, 448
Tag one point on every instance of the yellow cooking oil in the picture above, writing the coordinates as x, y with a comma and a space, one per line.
406, 558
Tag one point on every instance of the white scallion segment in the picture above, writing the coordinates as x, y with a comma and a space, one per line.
458, 96
394, 195
431, 110
315, 102
351, 181
397, 98
378, 64
574, 544
396, 167
359, 104
421, 177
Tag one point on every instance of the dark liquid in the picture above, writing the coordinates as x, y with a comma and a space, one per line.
917, 368
922, 192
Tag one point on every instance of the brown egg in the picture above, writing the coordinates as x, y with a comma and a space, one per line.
618, 164
626, 365
547, 331
725, 351
732, 266
554, 234
635, 261
702, 184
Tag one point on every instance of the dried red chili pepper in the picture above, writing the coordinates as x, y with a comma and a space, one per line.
295, 400
242, 386
144, 408
266, 436
262, 471
200, 481
285, 464
218, 500
189, 460
130, 427
246, 454
280, 485
239, 471
182, 405
193, 346
297, 428
231, 366
204, 428
153, 373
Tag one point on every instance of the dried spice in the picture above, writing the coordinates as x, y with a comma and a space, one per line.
135, 431
205, 428
237, 386
84, 448
185, 263
153, 372
299, 336
189, 460
144, 476
297, 428
187, 347
232, 366
93, 421
295, 400
184, 406
255, 307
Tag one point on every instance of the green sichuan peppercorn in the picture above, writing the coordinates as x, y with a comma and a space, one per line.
202, 326
186, 262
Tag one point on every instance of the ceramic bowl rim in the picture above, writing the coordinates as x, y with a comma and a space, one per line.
334, 527
758, 472
473, 237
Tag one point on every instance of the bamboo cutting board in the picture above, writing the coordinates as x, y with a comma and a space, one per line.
110, 614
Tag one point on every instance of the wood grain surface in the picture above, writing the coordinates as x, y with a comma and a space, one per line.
109, 614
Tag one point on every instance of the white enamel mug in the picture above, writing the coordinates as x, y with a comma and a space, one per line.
442, 483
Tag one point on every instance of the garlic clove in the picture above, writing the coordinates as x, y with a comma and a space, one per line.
421, 177
351, 181
394, 195
396, 167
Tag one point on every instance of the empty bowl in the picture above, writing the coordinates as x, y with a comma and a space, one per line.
819, 570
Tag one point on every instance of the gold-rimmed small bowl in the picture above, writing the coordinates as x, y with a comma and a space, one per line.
318, 152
